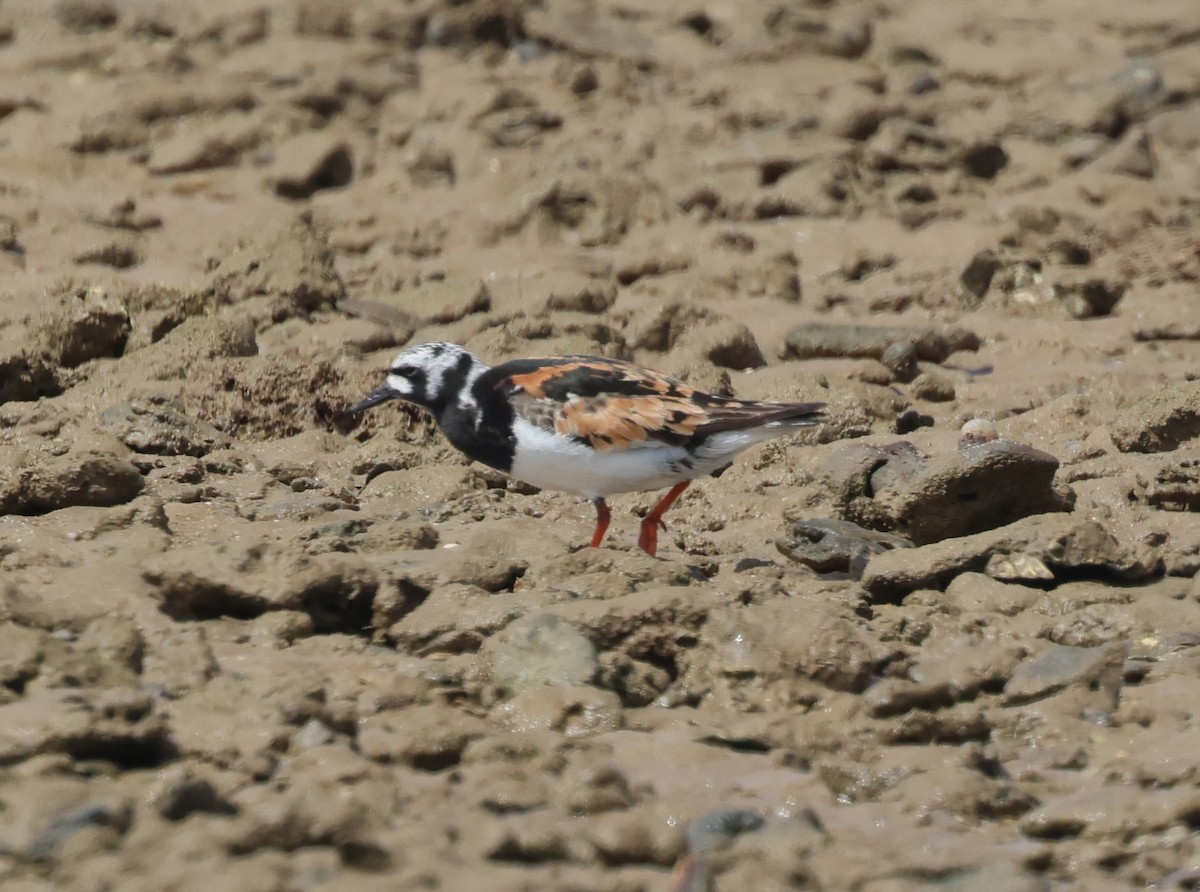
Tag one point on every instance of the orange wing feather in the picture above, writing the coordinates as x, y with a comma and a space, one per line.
641, 406
621, 422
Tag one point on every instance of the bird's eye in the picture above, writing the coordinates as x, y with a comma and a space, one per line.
404, 371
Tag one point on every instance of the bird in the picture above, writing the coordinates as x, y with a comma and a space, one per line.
584, 424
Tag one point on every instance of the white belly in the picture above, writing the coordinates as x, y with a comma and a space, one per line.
550, 461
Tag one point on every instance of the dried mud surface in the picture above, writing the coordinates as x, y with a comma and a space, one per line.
248, 641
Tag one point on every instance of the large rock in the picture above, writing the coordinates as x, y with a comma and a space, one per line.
36, 484
1064, 545
1164, 420
979, 487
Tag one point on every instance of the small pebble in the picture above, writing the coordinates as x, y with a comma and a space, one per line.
976, 431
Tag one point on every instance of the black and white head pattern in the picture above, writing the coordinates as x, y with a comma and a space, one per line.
434, 374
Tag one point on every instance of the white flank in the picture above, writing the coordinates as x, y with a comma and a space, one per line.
551, 461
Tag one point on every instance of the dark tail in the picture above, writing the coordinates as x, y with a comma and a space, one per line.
741, 415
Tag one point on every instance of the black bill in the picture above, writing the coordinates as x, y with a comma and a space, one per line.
380, 394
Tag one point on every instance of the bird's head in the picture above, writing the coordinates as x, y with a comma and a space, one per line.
428, 375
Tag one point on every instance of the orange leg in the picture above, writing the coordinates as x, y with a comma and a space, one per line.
648, 540
603, 516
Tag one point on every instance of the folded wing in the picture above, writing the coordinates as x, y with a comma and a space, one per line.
610, 404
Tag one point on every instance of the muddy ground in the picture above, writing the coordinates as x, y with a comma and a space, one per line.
249, 643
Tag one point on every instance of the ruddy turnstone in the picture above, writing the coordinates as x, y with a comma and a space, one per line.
584, 424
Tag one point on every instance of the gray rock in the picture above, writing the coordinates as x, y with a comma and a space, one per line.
1067, 545
836, 546
157, 425
1162, 421
979, 487
833, 340
1058, 667
542, 649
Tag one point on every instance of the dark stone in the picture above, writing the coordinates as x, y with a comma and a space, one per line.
979, 487
836, 546
910, 420
977, 277
985, 160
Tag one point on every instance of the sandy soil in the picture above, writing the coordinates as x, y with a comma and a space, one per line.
249, 643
